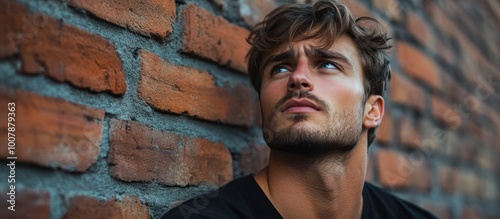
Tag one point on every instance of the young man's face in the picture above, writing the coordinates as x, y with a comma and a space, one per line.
312, 98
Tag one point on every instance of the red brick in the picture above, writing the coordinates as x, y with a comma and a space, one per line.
441, 211
418, 65
470, 107
469, 184
474, 129
11, 24
465, 19
29, 204
417, 27
494, 7
470, 52
487, 71
391, 8
445, 113
140, 153
385, 130
182, 90
474, 63
132, 207
445, 24
213, 162
254, 11
393, 169
62, 52
149, 18
448, 179
471, 213
451, 8
254, 158
52, 132
409, 133
444, 50
466, 151
360, 10
87, 207
482, 83
421, 178
214, 38
404, 91
441, 19
452, 89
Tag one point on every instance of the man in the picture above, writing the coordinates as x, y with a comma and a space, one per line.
320, 75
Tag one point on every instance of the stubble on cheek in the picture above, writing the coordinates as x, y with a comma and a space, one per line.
319, 133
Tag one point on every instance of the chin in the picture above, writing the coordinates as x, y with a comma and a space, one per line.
310, 139
303, 139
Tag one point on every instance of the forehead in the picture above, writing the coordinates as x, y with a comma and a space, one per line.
343, 48
343, 45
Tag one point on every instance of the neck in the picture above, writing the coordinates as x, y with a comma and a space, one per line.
328, 188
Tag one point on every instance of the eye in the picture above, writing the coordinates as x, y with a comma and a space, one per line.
279, 69
328, 65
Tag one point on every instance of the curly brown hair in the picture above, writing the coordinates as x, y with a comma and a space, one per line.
326, 20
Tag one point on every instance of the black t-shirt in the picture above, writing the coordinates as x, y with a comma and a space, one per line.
243, 198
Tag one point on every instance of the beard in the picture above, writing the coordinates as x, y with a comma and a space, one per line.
338, 135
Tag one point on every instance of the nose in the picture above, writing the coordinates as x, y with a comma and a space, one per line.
300, 78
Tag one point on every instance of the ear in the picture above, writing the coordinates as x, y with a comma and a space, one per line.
374, 111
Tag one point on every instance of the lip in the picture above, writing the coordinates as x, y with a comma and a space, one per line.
300, 106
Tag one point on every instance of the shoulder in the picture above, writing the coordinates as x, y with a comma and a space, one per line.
379, 203
240, 198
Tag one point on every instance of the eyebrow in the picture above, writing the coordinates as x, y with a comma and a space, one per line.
278, 57
316, 52
312, 52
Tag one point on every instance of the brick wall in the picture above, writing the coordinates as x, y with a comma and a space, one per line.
126, 108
